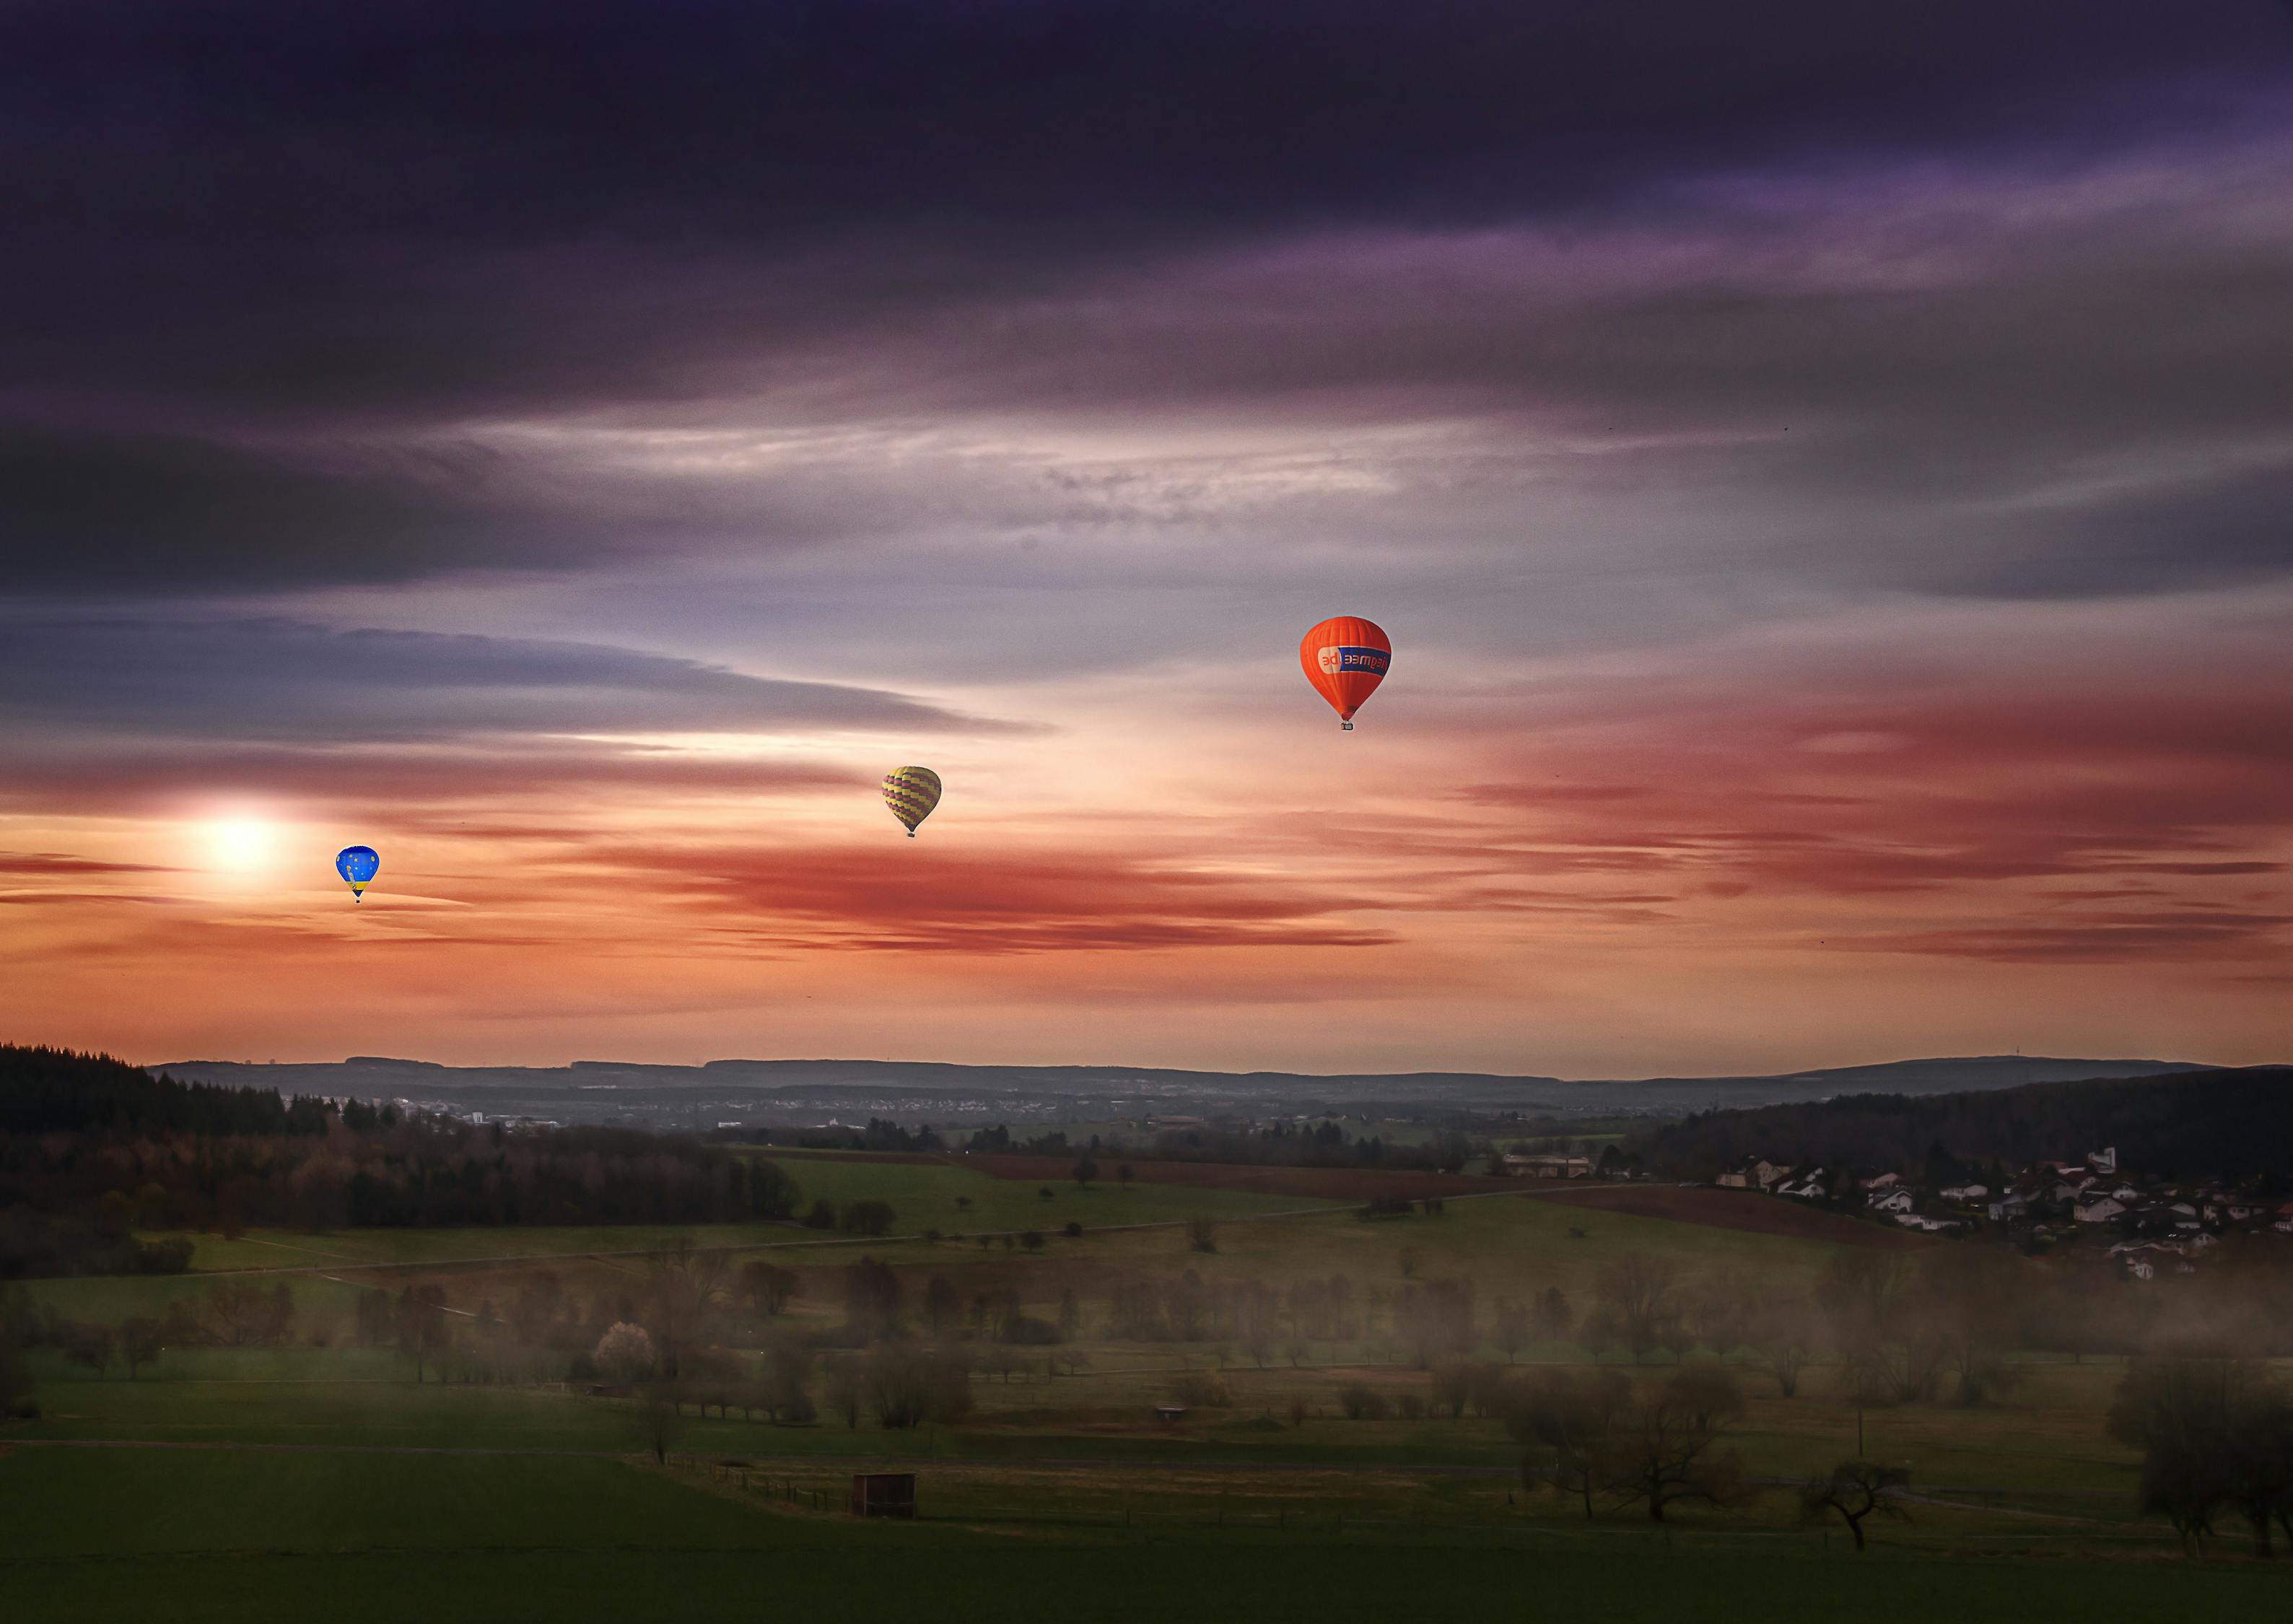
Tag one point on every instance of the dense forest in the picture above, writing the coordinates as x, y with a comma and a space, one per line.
2232, 1125
92, 1149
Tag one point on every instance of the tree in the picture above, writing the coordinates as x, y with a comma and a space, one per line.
1455, 1385
1664, 1454
1719, 1310
15, 1381
1085, 1172
788, 1366
871, 1299
1712, 1395
624, 1353
682, 1280
1970, 1296
909, 1385
767, 1286
943, 1304
1123, 1175
1781, 1333
422, 1324
1855, 1490
1511, 1327
1565, 1419
840, 1385
1636, 1310
870, 1218
1201, 1235
141, 1343
661, 1417
88, 1345
1555, 1317
2214, 1432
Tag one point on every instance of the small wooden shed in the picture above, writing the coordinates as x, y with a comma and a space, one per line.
883, 1494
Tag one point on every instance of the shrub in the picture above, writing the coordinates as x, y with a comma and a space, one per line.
624, 1353
1199, 1389
1361, 1402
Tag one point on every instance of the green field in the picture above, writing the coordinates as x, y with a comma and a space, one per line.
261, 1481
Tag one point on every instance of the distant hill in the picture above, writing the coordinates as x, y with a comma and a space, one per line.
809, 1090
2238, 1124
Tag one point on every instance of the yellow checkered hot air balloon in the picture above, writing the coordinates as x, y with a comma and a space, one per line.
911, 792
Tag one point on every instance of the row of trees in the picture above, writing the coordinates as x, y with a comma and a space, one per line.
2215, 1434
68, 1203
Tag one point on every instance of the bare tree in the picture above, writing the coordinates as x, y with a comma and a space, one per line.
767, 1287
1855, 1489
1637, 1306
841, 1387
140, 1343
2214, 1432
1201, 1235
910, 1384
1782, 1334
1555, 1317
1664, 1454
1566, 1419
661, 1419
1511, 1329
1713, 1396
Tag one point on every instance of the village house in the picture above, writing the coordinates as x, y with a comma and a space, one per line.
1754, 1175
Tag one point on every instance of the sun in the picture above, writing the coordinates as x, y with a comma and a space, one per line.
241, 844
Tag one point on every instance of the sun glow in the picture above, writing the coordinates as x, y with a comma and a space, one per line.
242, 845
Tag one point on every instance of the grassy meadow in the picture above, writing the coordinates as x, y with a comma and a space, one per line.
280, 1474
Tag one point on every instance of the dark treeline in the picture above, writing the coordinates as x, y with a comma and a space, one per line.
2232, 1124
1283, 1144
120, 1151
54, 1091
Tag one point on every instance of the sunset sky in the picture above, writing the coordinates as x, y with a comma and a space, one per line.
1828, 482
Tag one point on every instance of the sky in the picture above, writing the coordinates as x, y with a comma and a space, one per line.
1826, 474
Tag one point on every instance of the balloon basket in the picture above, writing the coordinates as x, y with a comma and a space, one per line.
1345, 727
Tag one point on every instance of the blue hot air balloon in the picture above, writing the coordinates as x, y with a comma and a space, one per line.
358, 865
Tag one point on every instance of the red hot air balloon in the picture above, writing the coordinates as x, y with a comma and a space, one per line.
1345, 659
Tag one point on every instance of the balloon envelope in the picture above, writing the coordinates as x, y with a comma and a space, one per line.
911, 792
358, 865
1345, 658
